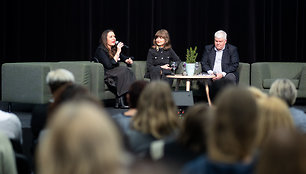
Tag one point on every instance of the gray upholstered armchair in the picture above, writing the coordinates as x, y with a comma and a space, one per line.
263, 74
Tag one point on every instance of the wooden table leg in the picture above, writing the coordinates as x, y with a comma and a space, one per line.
207, 93
188, 85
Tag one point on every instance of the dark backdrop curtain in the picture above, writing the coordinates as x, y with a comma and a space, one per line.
44, 30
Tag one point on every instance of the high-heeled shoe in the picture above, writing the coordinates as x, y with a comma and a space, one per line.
117, 103
121, 103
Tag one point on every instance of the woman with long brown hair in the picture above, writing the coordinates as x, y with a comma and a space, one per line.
231, 145
117, 78
81, 138
156, 117
160, 57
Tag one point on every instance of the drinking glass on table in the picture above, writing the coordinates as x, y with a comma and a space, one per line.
184, 69
173, 66
197, 65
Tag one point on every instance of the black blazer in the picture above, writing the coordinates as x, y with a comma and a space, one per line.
108, 63
230, 59
155, 59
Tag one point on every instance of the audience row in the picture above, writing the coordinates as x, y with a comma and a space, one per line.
244, 131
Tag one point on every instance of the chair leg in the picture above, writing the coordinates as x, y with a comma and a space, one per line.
9, 107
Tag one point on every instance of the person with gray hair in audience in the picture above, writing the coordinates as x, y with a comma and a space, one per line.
59, 77
55, 79
286, 90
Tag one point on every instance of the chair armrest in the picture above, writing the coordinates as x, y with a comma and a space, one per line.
94, 76
302, 85
244, 74
139, 69
25, 82
259, 72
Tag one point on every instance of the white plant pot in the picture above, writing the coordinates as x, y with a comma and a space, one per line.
190, 69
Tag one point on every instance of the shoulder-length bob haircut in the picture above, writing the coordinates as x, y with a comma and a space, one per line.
164, 34
156, 111
284, 89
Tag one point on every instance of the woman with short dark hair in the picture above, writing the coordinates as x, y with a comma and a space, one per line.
160, 57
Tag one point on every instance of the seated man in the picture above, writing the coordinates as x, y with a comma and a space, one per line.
221, 59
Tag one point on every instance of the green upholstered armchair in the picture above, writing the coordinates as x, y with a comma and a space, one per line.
244, 70
263, 74
25, 83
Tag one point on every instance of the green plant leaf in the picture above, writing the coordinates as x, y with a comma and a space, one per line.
191, 55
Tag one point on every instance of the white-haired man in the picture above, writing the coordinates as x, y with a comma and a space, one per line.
55, 79
221, 58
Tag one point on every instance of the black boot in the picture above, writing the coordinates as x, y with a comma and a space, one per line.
121, 103
117, 103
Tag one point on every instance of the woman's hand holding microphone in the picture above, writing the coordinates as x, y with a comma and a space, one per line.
117, 55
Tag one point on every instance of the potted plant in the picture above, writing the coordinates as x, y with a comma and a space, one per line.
191, 57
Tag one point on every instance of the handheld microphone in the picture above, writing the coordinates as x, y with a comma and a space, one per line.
123, 44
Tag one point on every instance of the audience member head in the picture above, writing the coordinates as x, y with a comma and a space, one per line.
69, 92
220, 39
218, 86
81, 138
141, 166
284, 152
234, 126
162, 34
273, 114
194, 128
257, 93
134, 92
59, 77
284, 89
156, 111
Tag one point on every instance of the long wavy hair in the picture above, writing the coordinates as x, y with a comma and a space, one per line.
103, 41
81, 138
156, 111
232, 134
274, 114
194, 128
164, 34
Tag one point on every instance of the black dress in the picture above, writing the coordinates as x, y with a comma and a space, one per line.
157, 58
118, 78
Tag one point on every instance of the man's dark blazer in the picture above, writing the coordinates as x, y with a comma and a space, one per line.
229, 63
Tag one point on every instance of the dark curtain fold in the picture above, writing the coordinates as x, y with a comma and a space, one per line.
42, 30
